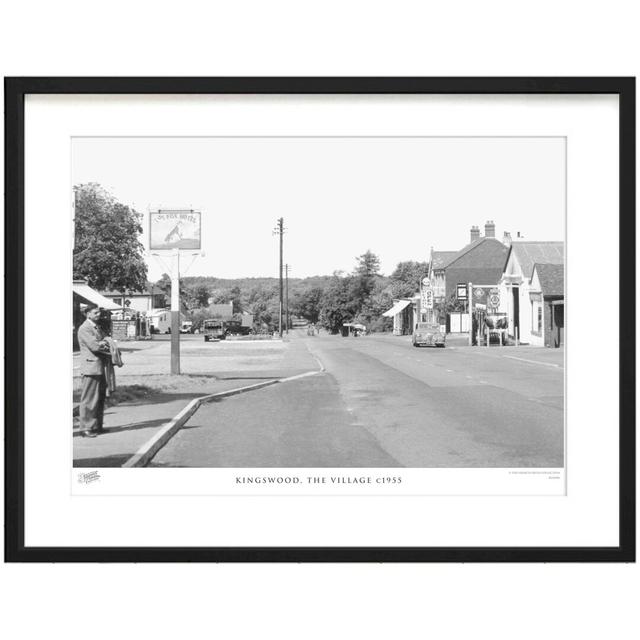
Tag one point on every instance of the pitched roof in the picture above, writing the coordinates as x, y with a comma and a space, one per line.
145, 292
530, 253
481, 253
224, 309
551, 277
441, 259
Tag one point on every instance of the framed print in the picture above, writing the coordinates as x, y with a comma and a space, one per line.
320, 319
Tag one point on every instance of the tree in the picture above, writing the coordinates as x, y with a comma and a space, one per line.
368, 264
197, 296
406, 278
107, 251
164, 287
263, 302
307, 304
337, 304
379, 301
364, 278
235, 295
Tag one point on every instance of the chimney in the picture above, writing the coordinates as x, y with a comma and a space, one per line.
506, 238
489, 229
475, 233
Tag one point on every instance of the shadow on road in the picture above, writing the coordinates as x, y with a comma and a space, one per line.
133, 426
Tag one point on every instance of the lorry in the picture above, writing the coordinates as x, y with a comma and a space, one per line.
213, 330
220, 329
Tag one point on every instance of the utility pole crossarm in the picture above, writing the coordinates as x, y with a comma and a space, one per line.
279, 230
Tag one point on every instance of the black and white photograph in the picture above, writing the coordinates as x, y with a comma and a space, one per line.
319, 302
303, 326
320, 320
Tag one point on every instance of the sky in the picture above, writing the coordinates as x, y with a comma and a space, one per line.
339, 197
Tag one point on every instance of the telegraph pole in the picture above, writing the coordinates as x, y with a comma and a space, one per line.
175, 315
279, 230
287, 267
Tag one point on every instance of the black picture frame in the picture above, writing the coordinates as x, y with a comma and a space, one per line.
15, 91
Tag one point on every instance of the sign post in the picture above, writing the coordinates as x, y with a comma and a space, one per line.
461, 295
175, 315
171, 230
426, 300
470, 295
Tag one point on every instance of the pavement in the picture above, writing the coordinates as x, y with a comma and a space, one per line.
207, 368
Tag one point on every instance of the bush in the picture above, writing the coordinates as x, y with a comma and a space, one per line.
381, 325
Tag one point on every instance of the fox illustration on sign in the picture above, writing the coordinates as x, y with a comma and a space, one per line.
174, 229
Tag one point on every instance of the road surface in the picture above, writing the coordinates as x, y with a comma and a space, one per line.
382, 403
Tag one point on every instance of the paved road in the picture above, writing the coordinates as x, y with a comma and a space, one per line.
383, 403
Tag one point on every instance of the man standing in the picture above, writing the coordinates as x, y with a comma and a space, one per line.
92, 362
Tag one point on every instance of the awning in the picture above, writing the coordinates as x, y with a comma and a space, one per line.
397, 308
86, 292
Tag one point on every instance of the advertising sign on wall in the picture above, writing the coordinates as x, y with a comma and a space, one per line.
174, 229
427, 299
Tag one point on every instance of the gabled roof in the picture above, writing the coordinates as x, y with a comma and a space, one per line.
441, 259
223, 309
530, 253
481, 253
129, 293
551, 277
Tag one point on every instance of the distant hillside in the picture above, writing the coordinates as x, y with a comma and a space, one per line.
210, 281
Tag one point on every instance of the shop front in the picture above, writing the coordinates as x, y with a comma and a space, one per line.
404, 313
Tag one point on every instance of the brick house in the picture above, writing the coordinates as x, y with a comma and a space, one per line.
480, 262
438, 262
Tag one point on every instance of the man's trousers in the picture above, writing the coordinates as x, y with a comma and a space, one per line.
94, 390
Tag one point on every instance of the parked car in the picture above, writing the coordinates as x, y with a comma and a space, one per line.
428, 334
185, 327
235, 328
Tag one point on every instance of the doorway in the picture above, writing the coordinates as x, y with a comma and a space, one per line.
516, 312
557, 329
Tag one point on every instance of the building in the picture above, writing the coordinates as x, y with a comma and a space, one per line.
523, 299
83, 296
160, 320
438, 262
481, 262
547, 301
221, 311
141, 301
404, 313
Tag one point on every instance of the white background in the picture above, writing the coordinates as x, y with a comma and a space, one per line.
587, 516
332, 38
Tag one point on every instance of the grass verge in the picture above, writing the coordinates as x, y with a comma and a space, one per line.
131, 388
